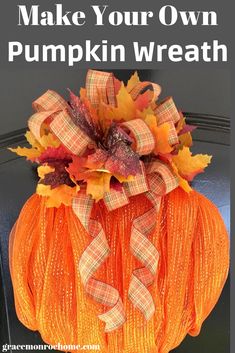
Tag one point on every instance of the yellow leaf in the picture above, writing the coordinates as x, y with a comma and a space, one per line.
98, 184
62, 194
132, 81
125, 109
33, 141
180, 124
29, 153
123, 179
49, 140
161, 134
145, 112
151, 120
43, 170
188, 166
186, 139
182, 182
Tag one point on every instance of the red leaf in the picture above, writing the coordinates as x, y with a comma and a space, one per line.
97, 159
58, 177
77, 167
123, 160
187, 128
52, 153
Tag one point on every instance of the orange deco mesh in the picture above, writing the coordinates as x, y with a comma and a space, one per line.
47, 243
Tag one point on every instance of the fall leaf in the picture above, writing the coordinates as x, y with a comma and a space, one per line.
151, 121
133, 81
62, 194
43, 170
98, 184
82, 117
123, 160
189, 166
182, 182
59, 175
181, 123
77, 167
145, 113
49, 140
186, 139
186, 129
184, 132
30, 153
161, 134
123, 179
51, 153
38, 147
33, 141
97, 160
125, 109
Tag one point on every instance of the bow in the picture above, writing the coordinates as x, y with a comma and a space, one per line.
154, 180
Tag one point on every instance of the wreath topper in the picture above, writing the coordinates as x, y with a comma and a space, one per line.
111, 143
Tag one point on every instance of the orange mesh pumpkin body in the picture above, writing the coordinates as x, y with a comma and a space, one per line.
45, 247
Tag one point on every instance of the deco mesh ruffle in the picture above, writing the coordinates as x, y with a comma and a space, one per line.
115, 248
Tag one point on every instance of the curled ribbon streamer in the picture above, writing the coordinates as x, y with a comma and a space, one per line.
142, 248
161, 181
92, 258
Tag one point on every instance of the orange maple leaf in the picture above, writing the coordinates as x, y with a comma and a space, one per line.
29, 153
161, 134
125, 110
62, 194
132, 82
189, 166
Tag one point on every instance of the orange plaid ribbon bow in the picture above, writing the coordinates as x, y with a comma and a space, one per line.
155, 180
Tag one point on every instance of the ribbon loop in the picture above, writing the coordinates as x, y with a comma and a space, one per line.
115, 199
100, 85
166, 111
139, 185
69, 134
140, 87
144, 140
50, 100
45, 106
162, 180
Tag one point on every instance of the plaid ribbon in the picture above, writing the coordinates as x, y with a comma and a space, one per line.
52, 106
144, 140
155, 180
141, 87
100, 85
92, 258
161, 181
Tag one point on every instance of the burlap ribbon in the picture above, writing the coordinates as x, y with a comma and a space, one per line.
155, 180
